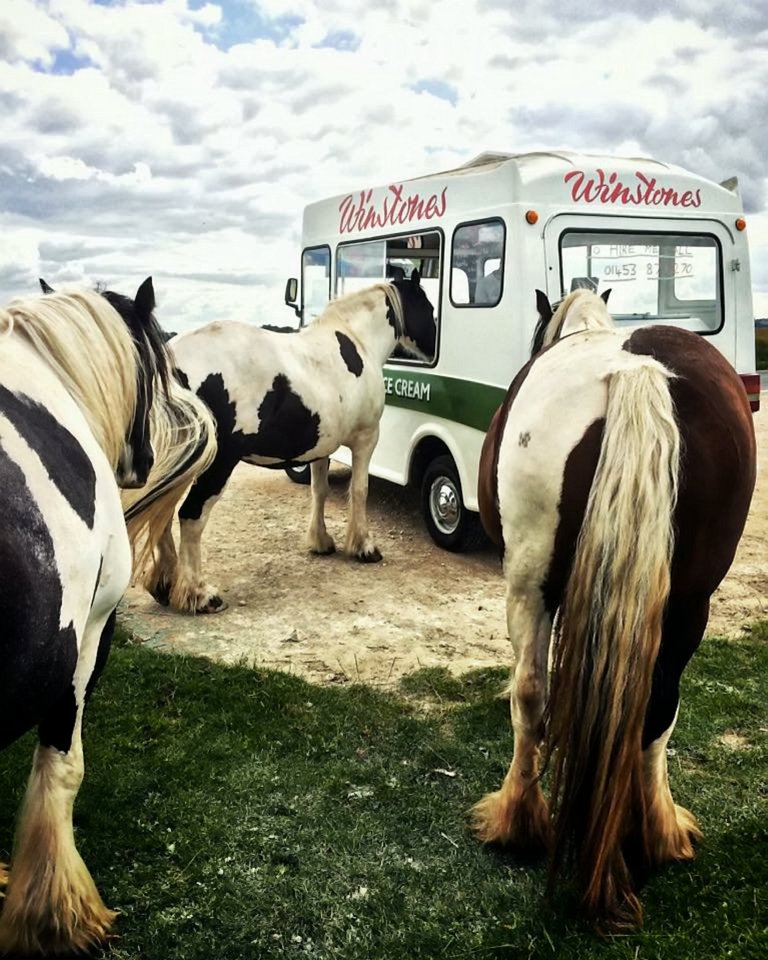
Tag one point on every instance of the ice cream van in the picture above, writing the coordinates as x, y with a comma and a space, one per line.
671, 246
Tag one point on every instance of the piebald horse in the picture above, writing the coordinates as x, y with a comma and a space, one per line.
616, 476
87, 404
287, 398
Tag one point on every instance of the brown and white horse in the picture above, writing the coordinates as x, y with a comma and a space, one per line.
617, 477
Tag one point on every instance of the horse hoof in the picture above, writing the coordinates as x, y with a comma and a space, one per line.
214, 605
162, 594
370, 556
325, 551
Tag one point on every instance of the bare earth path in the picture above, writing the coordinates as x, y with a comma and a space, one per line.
331, 619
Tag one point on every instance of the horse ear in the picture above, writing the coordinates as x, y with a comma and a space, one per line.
144, 301
415, 276
543, 306
45, 287
605, 294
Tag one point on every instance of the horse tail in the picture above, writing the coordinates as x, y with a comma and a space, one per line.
606, 642
184, 443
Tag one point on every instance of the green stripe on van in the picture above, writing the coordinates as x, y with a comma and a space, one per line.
451, 398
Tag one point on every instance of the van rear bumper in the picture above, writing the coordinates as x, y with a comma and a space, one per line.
751, 383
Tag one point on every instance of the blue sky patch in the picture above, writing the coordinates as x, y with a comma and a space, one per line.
66, 62
242, 22
340, 40
438, 88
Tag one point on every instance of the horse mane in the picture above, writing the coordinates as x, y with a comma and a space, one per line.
184, 442
591, 314
84, 340
149, 335
343, 308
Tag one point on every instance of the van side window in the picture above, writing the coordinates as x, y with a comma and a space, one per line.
363, 263
477, 263
315, 281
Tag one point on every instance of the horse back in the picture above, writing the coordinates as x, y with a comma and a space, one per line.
718, 463
280, 397
557, 395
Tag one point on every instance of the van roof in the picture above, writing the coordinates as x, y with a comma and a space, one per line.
544, 163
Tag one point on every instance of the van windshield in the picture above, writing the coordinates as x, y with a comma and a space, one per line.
653, 277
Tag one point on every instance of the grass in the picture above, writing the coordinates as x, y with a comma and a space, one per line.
232, 813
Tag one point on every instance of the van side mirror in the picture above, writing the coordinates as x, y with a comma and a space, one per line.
291, 293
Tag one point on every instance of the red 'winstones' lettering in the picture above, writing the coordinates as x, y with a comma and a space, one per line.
357, 212
646, 191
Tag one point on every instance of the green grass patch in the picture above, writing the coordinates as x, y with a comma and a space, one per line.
232, 813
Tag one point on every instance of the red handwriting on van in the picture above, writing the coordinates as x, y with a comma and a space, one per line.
359, 213
643, 191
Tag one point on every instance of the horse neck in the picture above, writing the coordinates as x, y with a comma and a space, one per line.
577, 313
369, 322
583, 321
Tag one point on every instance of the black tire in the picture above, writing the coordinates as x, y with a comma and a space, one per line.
448, 521
300, 473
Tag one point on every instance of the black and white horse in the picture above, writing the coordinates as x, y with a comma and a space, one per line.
87, 404
281, 399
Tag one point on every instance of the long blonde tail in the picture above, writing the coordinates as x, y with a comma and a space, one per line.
607, 640
184, 442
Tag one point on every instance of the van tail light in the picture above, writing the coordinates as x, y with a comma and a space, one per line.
751, 383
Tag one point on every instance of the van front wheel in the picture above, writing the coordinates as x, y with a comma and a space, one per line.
448, 521
299, 473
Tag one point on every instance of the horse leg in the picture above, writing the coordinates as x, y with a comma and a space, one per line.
190, 593
671, 829
52, 904
318, 539
359, 542
517, 814
160, 582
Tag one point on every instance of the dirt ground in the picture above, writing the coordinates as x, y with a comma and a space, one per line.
331, 619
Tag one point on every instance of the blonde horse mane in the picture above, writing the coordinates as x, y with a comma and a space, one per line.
183, 436
580, 310
85, 342
88, 346
343, 308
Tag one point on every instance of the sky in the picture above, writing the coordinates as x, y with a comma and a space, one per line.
183, 139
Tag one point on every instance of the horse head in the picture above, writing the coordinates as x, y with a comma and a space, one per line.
419, 330
153, 364
580, 310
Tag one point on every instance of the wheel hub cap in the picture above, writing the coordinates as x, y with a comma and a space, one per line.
444, 501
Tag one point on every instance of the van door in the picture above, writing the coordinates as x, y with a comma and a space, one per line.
667, 271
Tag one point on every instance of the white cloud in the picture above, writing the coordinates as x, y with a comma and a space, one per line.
28, 33
158, 138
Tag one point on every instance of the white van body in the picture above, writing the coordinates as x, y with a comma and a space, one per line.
670, 245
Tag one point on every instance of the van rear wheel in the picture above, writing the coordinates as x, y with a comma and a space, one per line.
448, 521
